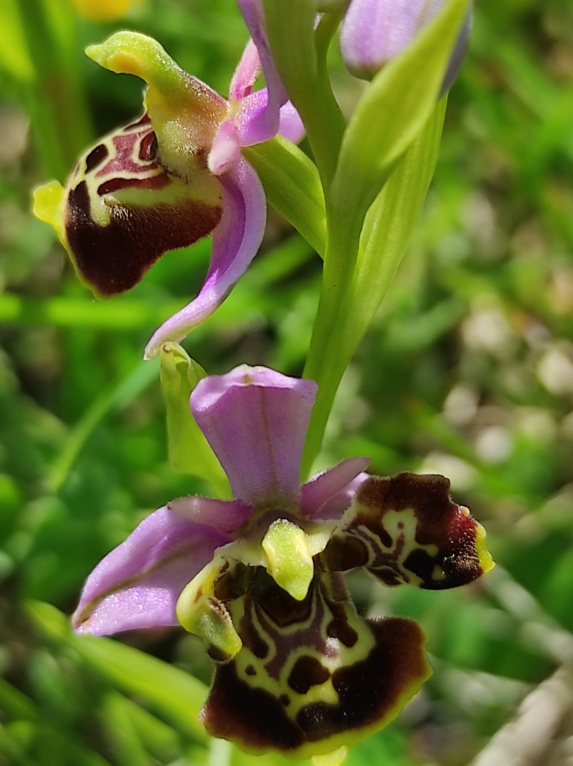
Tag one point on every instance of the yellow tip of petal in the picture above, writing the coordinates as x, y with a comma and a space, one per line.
117, 60
133, 53
48, 206
484, 556
204, 616
331, 759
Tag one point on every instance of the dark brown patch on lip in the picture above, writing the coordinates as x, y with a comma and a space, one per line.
445, 528
339, 628
116, 184
368, 693
307, 672
114, 258
232, 582
97, 155
235, 710
148, 147
369, 690
281, 607
344, 553
251, 639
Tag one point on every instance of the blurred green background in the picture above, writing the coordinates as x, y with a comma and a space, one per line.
468, 371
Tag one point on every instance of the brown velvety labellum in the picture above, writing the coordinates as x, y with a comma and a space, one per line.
114, 258
367, 691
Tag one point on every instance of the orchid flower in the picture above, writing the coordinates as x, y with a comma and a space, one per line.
259, 577
172, 176
376, 31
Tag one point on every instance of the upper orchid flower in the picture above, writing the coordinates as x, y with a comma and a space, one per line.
376, 31
259, 577
173, 176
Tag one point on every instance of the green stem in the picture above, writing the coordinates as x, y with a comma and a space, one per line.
354, 286
293, 187
56, 101
329, 353
300, 56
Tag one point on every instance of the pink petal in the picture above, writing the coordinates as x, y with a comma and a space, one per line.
251, 114
255, 419
226, 148
235, 242
223, 515
291, 126
137, 585
246, 73
261, 124
328, 494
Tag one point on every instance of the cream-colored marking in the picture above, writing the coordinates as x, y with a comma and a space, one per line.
331, 759
438, 574
399, 524
343, 657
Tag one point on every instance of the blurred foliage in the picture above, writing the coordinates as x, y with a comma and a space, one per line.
468, 371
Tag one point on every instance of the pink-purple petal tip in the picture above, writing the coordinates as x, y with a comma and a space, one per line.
328, 494
137, 585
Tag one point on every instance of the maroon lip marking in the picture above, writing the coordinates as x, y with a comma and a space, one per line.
114, 258
97, 155
148, 147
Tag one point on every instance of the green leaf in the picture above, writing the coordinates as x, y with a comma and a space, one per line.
167, 689
18, 707
293, 188
123, 736
387, 230
391, 220
116, 397
189, 451
299, 53
43, 46
14, 56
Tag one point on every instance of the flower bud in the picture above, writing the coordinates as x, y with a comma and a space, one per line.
376, 31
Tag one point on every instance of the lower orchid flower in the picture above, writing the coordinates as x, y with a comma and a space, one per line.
172, 176
258, 577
